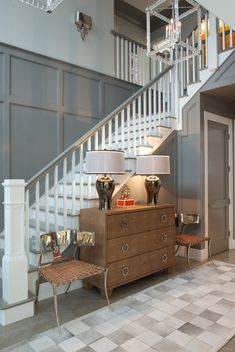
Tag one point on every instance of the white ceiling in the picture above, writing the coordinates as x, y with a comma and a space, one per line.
225, 10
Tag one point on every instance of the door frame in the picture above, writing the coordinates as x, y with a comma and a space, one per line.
208, 116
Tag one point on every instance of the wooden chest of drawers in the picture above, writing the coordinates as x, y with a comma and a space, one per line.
132, 242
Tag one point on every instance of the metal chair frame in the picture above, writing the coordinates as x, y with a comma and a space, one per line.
188, 240
50, 244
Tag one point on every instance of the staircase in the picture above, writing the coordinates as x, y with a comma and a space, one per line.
138, 126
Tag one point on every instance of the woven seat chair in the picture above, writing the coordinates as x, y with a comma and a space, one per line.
188, 240
60, 271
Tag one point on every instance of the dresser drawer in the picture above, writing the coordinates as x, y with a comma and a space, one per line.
131, 245
136, 222
138, 266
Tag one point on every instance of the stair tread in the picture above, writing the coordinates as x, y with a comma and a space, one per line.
60, 210
192, 83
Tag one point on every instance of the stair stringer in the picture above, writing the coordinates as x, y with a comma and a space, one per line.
192, 89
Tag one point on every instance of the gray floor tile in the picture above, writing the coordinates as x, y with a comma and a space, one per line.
191, 329
208, 314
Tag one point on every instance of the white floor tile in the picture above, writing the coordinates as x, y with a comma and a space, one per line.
209, 338
41, 343
134, 345
149, 338
71, 345
179, 338
76, 326
103, 345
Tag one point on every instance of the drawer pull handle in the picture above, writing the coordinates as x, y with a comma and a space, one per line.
125, 247
125, 271
164, 238
164, 218
164, 258
124, 224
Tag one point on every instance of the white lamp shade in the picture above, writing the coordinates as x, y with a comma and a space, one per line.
152, 164
105, 162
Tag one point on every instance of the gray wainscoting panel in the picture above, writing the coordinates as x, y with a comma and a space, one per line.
33, 136
45, 106
114, 95
1, 75
81, 93
75, 126
33, 82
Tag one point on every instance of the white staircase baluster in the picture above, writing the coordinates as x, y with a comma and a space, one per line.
134, 125
73, 174
139, 119
89, 176
65, 194
126, 60
122, 129
193, 59
145, 116
187, 63
47, 214
128, 130
116, 131
122, 58
223, 36
37, 214
56, 197
96, 140
103, 137
150, 109
130, 62
155, 105
81, 176
118, 57
110, 134
230, 37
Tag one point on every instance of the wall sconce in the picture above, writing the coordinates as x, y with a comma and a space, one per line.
151, 166
83, 23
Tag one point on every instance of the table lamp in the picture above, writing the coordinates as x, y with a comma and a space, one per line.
105, 162
152, 165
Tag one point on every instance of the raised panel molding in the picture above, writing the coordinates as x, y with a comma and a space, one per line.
114, 95
33, 82
33, 136
75, 126
81, 93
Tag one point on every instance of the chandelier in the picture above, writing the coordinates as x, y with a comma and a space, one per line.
46, 5
171, 14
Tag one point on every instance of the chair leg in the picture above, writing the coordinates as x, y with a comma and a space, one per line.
37, 287
188, 252
68, 288
209, 250
105, 287
178, 246
56, 306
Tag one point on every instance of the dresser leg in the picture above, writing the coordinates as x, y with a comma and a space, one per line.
169, 270
109, 292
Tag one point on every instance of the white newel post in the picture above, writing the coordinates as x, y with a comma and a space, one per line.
213, 43
14, 263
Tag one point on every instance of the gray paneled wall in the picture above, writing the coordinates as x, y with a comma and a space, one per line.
45, 106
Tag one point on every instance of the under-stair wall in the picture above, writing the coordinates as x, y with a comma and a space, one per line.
190, 144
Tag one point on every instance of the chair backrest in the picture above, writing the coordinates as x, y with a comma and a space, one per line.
186, 219
51, 242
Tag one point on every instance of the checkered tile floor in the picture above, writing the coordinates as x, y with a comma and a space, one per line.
190, 312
